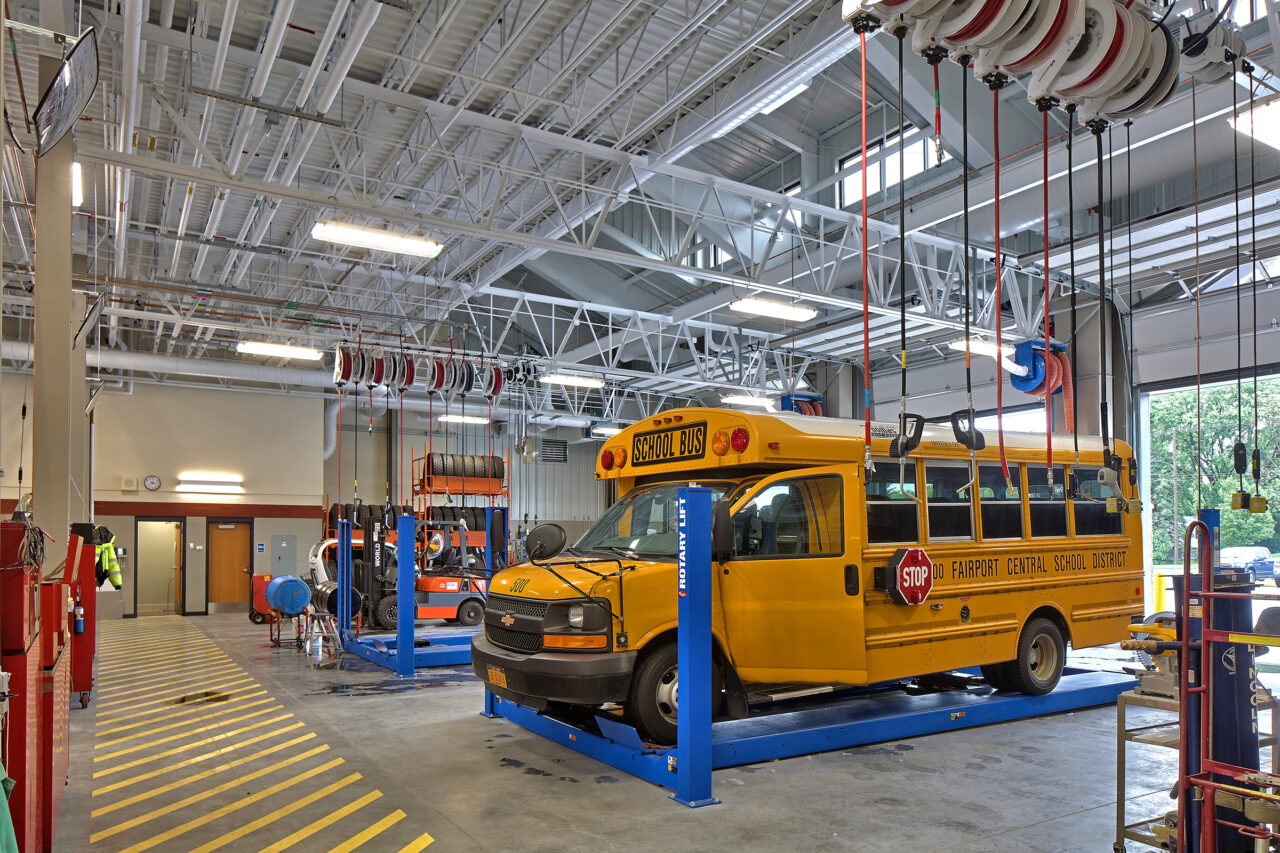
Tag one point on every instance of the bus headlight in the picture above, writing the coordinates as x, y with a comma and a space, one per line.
575, 615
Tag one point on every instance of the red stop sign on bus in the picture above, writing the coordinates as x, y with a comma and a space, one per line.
911, 576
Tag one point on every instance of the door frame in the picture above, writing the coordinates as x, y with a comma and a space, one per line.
207, 539
182, 520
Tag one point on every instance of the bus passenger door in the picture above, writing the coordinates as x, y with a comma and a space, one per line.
792, 606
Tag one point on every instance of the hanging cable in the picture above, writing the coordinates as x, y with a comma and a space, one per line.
937, 113
995, 120
1195, 192
1104, 414
866, 323
910, 427
1071, 267
967, 433
1128, 218
1239, 452
1258, 503
1045, 105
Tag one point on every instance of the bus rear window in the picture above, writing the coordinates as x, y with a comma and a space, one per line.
950, 510
891, 505
1001, 506
1090, 506
1048, 503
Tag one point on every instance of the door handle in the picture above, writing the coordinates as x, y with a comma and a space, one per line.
851, 579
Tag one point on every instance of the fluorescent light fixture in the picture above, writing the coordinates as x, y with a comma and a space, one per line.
376, 239
571, 381
208, 477
776, 310
278, 350
462, 419
77, 185
981, 346
1265, 126
605, 430
210, 488
749, 400
785, 97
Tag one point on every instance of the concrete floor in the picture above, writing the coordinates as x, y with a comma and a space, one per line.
476, 784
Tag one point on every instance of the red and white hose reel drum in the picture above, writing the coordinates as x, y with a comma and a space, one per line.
398, 372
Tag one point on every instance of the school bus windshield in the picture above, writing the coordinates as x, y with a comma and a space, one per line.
643, 522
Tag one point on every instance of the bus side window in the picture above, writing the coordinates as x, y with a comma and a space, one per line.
1001, 508
793, 518
950, 512
1048, 505
891, 508
1090, 508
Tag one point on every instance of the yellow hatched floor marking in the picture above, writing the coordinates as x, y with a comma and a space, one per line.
422, 842
129, 664
147, 645
203, 795
128, 673
138, 761
328, 820
365, 834
227, 708
204, 774
149, 714
129, 750
200, 706
146, 685
226, 750
230, 808
166, 698
266, 819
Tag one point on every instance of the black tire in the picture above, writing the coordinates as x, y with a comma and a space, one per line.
385, 612
335, 515
997, 675
653, 715
495, 467
471, 612
1041, 655
349, 512
255, 617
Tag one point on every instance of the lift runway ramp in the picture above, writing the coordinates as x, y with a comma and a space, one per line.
190, 752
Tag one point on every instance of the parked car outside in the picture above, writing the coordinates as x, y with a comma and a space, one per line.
1254, 558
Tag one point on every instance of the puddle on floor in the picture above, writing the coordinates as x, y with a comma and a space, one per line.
202, 696
424, 681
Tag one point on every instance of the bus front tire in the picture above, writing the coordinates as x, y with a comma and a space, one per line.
997, 675
1041, 655
654, 696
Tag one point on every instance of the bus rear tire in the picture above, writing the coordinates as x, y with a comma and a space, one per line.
654, 696
997, 675
1041, 655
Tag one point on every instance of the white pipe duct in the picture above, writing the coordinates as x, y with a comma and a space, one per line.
133, 12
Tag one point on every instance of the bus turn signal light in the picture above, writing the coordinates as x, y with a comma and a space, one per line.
740, 439
575, 641
720, 443
606, 460
620, 457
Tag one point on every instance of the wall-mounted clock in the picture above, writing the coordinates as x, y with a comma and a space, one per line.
152, 482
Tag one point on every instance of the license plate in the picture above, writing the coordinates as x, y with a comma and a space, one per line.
673, 444
497, 677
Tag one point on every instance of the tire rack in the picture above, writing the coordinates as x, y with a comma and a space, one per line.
426, 486
1196, 772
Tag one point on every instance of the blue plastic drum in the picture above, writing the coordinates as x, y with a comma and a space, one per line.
288, 594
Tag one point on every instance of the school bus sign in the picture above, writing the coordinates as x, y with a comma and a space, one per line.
910, 576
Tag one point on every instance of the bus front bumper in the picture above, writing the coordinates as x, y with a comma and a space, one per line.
534, 680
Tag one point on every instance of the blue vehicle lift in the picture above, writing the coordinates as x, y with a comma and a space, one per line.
872, 715
429, 649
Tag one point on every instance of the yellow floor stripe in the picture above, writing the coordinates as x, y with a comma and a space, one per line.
364, 835
422, 842
150, 714
210, 817
226, 750
233, 708
129, 673
158, 659
149, 644
145, 817
328, 820
266, 819
138, 747
192, 709
148, 684
167, 698
205, 774
138, 761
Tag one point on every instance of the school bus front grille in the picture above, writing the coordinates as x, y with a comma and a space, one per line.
521, 641
517, 606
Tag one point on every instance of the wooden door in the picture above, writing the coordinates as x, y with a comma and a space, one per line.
230, 553
179, 562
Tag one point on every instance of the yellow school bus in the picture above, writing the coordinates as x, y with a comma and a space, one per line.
801, 599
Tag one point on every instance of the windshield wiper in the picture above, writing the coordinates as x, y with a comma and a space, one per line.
614, 549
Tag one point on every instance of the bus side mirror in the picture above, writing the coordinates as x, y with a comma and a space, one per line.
721, 532
545, 541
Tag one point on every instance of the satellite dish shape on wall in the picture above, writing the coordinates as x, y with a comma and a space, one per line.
66, 98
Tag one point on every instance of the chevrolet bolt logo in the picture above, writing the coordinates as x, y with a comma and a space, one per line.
508, 620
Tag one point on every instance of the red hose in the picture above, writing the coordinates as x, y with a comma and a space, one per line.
866, 322
1004, 462
1049, 377
1068, 391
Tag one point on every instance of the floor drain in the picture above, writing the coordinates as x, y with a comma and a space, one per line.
202, 696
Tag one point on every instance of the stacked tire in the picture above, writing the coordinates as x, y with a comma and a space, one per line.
465, 465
